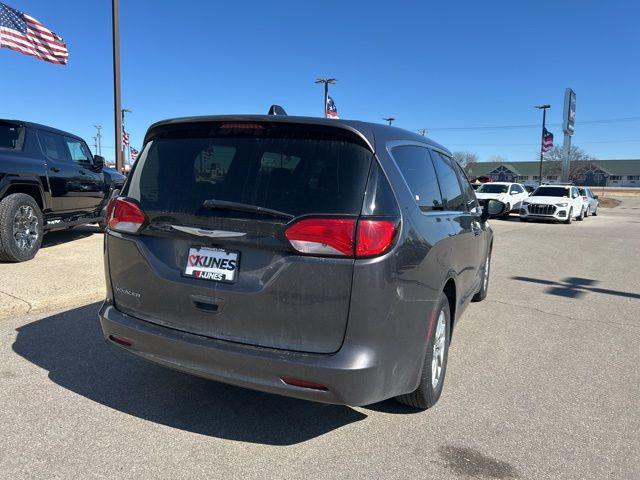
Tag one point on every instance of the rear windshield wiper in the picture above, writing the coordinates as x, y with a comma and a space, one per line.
214, 204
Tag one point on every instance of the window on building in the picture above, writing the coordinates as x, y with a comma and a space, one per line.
633, 177
522, 178
615, 177
552, 177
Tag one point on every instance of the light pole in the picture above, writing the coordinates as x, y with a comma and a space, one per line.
544, 120
389, 119
326, 82
117, 102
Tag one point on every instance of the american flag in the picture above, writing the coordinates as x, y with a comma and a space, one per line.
25, 34
134, 154
547, 140
332, 111
125, 138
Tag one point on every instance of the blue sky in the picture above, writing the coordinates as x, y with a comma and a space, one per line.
430, 64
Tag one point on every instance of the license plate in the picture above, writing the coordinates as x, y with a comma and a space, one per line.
212, 264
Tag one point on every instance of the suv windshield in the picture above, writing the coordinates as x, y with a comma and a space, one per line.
492, 188
551, 192
287, 168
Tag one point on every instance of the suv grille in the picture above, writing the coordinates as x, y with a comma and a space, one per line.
542, 209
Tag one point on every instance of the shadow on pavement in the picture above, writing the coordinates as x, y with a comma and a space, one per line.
574, 287
58, 237
70, 347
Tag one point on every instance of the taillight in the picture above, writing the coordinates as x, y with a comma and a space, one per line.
375, 237
124, 215
323, 236
342, 236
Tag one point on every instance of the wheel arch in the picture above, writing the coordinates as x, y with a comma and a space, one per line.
28, 186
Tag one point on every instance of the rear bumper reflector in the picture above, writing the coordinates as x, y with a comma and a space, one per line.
303, 384
121, 341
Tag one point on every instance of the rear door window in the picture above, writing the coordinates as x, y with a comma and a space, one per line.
11, 137
449, 185
417, 169
293, 169
53, 146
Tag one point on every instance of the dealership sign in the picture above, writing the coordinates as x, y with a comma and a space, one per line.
569, 117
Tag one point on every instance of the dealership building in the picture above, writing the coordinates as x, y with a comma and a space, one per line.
607, 173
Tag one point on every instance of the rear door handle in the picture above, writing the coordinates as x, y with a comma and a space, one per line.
55, 169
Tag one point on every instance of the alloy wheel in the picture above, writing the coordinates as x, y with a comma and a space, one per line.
25, 228
437, 361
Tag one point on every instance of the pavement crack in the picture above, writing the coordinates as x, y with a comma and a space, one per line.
30, 307
569, 317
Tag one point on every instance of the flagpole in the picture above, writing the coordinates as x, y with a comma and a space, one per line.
117, 99
544, 120
326, 82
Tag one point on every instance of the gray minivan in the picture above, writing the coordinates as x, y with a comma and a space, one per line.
322, 259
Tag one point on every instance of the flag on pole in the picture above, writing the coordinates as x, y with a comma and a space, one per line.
547, 140
24, 34
134, 154
332, 111
125, 138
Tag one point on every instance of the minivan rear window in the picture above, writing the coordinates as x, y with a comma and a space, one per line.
293, 169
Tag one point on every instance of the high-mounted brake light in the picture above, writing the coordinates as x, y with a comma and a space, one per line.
124, 215
342, 236
241, 126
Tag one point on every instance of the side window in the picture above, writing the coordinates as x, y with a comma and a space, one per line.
574, 191
11, 137
467, 190
77, 150
449, 186
417, 169
52, 146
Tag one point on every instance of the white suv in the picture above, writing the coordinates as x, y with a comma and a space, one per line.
561, 203
511, 194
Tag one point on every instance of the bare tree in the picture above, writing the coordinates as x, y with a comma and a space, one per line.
465, 158
581, 162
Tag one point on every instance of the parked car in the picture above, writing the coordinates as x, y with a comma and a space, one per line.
591, 201
49, 180
241, 250
511, 194
554, 202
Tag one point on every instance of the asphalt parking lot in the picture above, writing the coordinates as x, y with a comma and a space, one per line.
543, 380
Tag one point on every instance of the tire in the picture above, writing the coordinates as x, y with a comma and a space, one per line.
581, 216
595, 212
522, 219
484, 285
426, 395
587, 212
20, 211
569, 217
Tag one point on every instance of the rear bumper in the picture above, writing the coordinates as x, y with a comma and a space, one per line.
354, 375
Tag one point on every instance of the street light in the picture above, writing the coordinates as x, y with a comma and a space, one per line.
326, 82
542, 107
422, 131
389, 119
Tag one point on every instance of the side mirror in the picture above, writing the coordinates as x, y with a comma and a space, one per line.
492, 208
596, 197
98, 162
574, 196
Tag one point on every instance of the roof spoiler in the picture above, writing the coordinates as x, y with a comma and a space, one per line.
276, 110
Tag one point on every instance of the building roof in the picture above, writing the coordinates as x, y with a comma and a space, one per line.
612, 167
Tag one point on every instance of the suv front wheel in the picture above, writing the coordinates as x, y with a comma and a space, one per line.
435, 361
20, 228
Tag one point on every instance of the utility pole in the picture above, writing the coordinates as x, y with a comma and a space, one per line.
117, 99
326, 82
389, 119
98, 139
422, 131
568, 127
544, 120
95, 145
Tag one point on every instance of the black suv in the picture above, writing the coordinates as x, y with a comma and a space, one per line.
322, 259
49, 180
